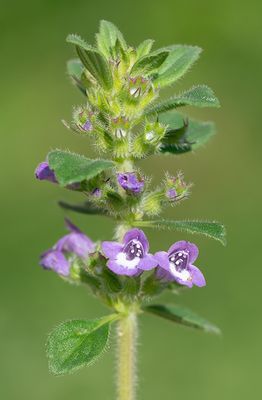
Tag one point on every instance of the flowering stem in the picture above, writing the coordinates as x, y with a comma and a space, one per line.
126, 361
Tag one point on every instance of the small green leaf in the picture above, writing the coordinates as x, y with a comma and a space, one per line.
70, 167
177, 64
77, 343
97, 66
199, 96
107, 38
196, 135
213, 230
144, 48
75, 70
149, 63
181, 316
78, 41
84, 208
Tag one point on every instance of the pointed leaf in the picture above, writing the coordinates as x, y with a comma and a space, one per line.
77, 343
196, 135
177, 64
78, 41
75, 69
213, 230
144, 48
149, 63
70, 167
97, 66
107, 38
84, 208
181, 316
199, 96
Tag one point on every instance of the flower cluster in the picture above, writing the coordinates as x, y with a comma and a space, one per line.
129, 258
62, 255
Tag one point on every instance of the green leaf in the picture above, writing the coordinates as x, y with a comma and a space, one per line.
71, 168
149, 63
84, 208
181, 316
78, 41
107, 37
75, 69
199, 96
214, 230
196, 134
177, 64
144, 48
97, 66
77, 343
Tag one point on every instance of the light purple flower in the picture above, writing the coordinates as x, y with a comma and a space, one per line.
87, 126
130, 182
130, 257
171, 194
43, 172
177, 264
75, 243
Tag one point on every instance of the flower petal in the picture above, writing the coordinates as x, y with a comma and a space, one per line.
120, 269
138, 235
162, 259
71, 227
77, 243
184, 245
111, 249
198, 278
148, 262
55, 260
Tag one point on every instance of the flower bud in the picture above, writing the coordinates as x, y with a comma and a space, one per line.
154, 132
83, 120
137, 86
175, 188
119, 127
152, 202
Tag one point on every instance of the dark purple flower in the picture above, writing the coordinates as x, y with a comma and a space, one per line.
177, 264
96, 193
129, 181
130, 257
43, 172
75, 243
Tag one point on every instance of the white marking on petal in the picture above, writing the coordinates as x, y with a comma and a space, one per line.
129, 264
184, 275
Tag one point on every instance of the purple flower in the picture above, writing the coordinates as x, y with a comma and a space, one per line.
75, 243
177, 264
129, 181
43, 172
130, 257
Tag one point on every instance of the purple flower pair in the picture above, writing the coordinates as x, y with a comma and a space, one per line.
132, 257
60, 257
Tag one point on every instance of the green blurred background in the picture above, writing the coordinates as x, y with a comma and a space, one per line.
174, 363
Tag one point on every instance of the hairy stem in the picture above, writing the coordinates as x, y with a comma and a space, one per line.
126, 361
